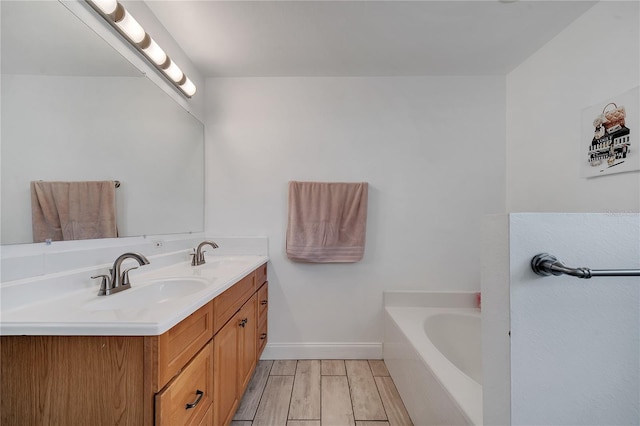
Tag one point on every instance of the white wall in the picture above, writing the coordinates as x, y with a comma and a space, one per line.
574, 350
432, 150
595, 58
575, 344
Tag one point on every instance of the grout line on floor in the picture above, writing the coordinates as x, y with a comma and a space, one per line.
291, 393
262, 393
349, 389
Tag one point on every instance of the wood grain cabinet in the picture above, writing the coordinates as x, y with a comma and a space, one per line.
225, 371
188, 398
234, 361
246, 318
235, 353
171, 351
263, 304
194, 374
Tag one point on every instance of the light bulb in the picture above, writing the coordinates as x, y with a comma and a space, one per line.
188, 87
131, 28
106, 6
155, 52
173, 72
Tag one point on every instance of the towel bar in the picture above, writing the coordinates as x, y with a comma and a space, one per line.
545, 264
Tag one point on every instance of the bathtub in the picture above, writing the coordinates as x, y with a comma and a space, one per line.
434, 357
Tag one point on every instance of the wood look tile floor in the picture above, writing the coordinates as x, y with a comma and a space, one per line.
321, 393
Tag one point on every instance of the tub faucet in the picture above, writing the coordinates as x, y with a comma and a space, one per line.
198, 253
118, 280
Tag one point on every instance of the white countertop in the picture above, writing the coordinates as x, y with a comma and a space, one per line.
80, 312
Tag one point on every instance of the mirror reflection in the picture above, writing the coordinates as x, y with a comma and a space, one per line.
73, 109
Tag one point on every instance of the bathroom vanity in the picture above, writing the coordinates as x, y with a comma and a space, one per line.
192, 373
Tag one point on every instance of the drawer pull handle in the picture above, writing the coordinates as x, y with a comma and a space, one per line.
199, 394
263, 336
243, 322
263, 302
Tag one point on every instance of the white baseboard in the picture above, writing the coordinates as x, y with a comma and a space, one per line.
322, 351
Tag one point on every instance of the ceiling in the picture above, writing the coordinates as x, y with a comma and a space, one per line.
362, 38
44, 38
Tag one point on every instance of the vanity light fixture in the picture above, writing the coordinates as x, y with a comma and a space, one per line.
106, 6
119, 18
129, 26
173, 72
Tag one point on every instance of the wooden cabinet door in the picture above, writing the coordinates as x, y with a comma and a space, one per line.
225, 373
247, 341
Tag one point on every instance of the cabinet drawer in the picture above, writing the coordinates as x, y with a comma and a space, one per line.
228, 303
261, 275
188, 398
207, 420
263, 302
261, 338
178, 345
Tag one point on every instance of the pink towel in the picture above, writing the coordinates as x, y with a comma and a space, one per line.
327, 221
73, 210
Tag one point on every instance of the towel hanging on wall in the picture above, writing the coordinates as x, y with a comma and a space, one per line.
327, 221
73, 210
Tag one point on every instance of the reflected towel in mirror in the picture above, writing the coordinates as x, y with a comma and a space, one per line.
73, 210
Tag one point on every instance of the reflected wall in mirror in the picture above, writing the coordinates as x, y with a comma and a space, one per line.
73, 109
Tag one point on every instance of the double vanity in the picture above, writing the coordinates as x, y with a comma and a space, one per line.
177, 348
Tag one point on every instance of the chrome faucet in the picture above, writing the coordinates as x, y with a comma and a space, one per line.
198, 253
116, 280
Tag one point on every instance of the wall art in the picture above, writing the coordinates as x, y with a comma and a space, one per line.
610, 142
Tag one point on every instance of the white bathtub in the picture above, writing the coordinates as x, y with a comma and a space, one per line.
434, 357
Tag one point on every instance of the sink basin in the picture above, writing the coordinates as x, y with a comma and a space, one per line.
152, 292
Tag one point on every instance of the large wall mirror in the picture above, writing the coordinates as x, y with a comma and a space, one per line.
73, 109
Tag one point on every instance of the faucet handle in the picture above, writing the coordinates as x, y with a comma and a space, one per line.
193, 258
125, 276
105, 284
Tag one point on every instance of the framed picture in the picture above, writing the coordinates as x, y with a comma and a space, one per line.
609, 142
